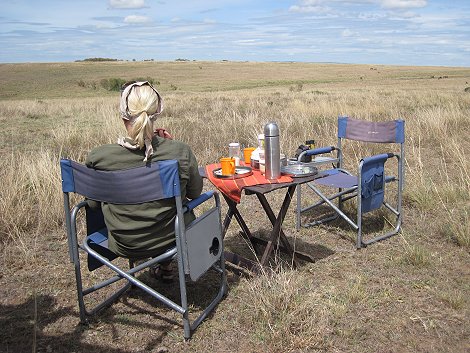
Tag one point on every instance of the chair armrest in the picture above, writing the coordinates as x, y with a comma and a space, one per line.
76, 208
317, 151
377, 157
196, 202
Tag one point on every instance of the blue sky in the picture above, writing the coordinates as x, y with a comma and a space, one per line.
397, 32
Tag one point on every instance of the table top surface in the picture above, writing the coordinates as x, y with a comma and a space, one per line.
265, 188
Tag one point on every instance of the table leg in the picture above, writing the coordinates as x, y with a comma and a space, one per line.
233, 211
232, 258
277, 232
227, 220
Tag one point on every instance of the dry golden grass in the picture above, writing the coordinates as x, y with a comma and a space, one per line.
409, 293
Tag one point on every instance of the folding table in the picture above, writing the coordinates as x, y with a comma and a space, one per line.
277, 238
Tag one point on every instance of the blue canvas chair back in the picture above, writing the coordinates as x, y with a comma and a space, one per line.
154, 181
147, 183
369, 131
372, 172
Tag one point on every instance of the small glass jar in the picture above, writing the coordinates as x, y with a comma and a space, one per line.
261, 141
234, 152
262, 163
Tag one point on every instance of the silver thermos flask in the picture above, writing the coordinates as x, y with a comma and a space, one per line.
272, 151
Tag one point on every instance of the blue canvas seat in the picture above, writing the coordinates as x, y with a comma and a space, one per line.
366, 186
198, 247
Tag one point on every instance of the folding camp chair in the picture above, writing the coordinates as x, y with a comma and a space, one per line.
370, 180
199, 245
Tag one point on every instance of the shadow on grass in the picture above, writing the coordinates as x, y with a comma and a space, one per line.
373, 223
43, 324
20, 332
242, 246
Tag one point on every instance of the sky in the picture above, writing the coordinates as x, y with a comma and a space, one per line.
395, 32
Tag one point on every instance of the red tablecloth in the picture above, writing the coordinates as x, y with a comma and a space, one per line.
233, 187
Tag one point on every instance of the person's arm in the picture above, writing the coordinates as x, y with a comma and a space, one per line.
194, 187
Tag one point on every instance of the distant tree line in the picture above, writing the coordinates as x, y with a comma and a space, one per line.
110, 59
113, 83
97, 59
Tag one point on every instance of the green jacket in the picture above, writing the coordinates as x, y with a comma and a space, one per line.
144, 230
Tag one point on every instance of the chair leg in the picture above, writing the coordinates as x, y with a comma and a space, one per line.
342, 195
335, 208
84, 312
81, 302
363, 243
221, 293
395, 231
359, 242
184, 300
189, 326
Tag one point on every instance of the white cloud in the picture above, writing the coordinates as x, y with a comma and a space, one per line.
209, 21
371, 16
137, 19
309, 6
408, 14
311, 2
348, 33
307, 9
127, 4
403, 4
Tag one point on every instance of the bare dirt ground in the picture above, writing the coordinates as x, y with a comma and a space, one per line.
372, 300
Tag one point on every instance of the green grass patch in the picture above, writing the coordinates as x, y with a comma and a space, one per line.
456, 228
416, 255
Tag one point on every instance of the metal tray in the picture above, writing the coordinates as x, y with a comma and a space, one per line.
240, 172
298, 170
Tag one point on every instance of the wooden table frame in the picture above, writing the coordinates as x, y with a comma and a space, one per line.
277, 235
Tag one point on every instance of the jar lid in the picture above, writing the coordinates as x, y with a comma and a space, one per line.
234, 144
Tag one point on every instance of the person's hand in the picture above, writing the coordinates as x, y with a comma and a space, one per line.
163, 133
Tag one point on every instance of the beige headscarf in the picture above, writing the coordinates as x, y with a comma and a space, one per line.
125, 114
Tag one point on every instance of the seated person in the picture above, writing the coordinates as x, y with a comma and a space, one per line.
144, 230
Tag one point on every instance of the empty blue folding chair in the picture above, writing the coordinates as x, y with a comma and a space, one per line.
199, 245
367, 186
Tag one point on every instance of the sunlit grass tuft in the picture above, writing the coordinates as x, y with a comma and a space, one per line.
414, 254
454, 298
282, 312
456, 227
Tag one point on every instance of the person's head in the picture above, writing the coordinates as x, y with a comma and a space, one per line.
140, 105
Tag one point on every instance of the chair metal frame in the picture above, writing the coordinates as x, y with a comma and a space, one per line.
350, 186
117, 187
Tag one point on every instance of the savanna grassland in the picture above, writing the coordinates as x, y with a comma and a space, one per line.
410, 293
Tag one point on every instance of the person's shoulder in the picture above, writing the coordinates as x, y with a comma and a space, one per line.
106, 149
101, 154
173, 143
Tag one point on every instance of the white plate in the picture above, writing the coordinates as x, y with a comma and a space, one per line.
240, 172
